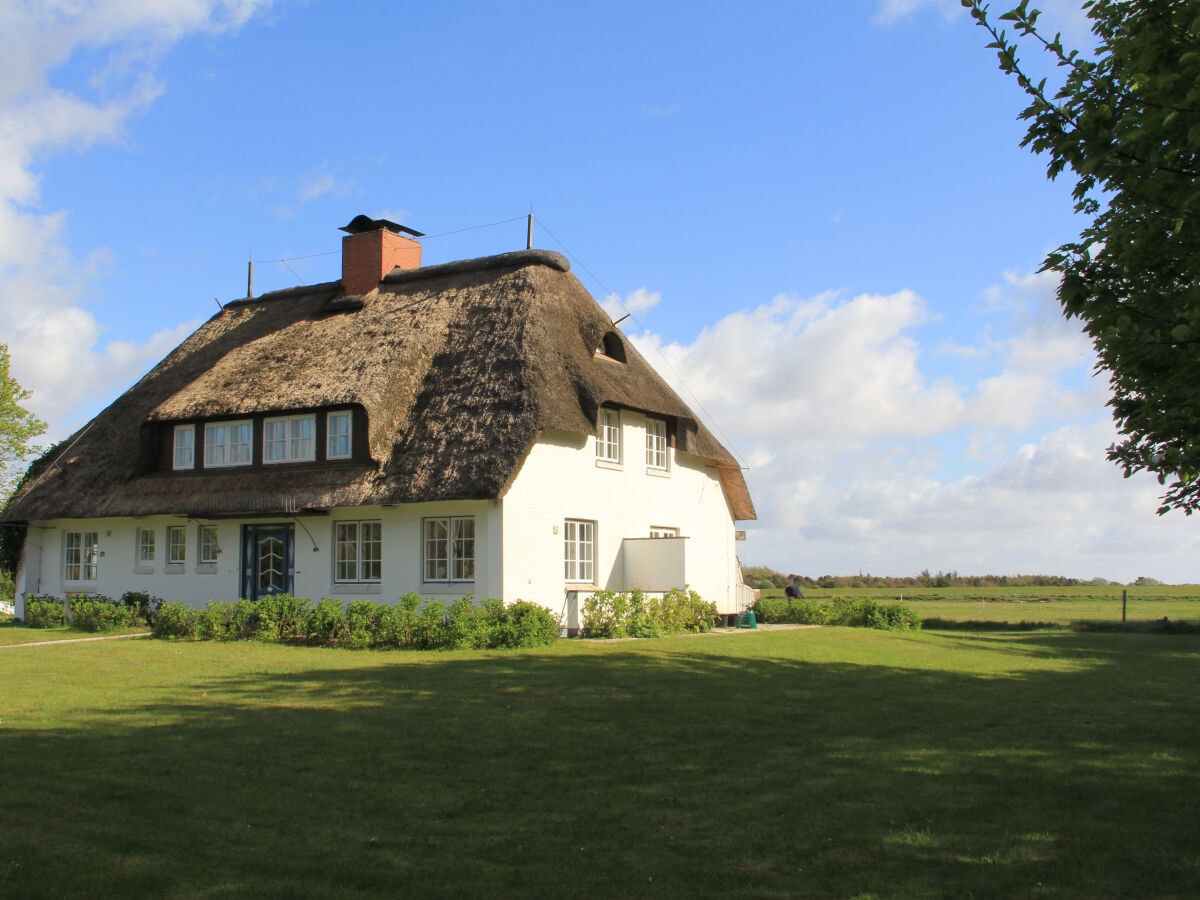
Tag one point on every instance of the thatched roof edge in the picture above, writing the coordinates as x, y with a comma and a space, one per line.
512, 260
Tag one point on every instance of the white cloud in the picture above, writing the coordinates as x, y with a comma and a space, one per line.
639, 301
890, 11
55, 342
1065, 16
860, 459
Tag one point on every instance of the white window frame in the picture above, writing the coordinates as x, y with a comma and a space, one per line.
343, 438
656, 445
663, 531
358, 552
222, 451
176, 543
293, 445
208, 547
608, 439
449, 542
184, 447
579, 551
81, 556
145, 549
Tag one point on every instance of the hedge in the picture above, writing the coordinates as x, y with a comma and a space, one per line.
409, 624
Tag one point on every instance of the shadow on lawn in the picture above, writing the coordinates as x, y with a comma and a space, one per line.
672, 768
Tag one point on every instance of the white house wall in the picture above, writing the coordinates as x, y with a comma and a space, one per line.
42, 569
561, 479
519, 541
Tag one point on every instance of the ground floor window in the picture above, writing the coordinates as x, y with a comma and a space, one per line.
145, 547
579, 550
81, 555
176, 545
210, 549
359, 549
663, 531
450, 548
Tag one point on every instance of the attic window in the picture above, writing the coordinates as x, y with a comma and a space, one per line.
612, 347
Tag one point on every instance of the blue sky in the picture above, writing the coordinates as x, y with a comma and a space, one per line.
817, 213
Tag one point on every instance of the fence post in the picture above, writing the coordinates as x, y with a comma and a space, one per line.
1124, 599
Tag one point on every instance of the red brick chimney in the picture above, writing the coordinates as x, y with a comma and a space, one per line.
371, 249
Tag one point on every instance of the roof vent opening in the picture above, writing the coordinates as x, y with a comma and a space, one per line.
374, 247
612, 347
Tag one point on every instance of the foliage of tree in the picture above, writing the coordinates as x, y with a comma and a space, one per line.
765, 578
1125, 122
18, 427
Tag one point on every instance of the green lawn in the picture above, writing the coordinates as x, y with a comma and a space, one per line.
1052, 605
819, 762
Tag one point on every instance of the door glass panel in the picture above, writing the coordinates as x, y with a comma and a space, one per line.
271, 563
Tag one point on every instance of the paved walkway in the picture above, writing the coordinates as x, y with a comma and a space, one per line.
103, 637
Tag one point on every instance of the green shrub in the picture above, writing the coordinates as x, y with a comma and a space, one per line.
397, 624
517, 625
223, 620
45, 611
900, 617
608, 614
407, 624
605, 615
363, 621
853, 612
282, 617
431, 626
325, 623
174, 621
142, 605
857, 612
100, 613
685, 612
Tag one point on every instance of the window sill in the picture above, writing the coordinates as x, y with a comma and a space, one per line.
658, 473
356, 587
174, 568
609, 464
143, 570
572, 586
206, 569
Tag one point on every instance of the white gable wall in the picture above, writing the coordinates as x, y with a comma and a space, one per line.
561, 479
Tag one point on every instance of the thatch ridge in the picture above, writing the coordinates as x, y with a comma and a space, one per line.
459, 367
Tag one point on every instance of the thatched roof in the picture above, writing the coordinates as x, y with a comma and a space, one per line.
459, 367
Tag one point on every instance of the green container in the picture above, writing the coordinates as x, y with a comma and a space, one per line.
746, 620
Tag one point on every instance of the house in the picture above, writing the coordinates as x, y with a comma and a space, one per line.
478, 426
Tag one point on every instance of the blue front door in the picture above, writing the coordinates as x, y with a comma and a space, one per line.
268, 560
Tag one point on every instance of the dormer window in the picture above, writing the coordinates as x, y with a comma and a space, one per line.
613, 347
228, 444
290, 439
338, 443
184, 456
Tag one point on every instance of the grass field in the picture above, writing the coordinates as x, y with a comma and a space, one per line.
1052, 605
822, 762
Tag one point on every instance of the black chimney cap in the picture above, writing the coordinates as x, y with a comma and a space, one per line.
361, 224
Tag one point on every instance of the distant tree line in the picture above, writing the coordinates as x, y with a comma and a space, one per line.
762, 577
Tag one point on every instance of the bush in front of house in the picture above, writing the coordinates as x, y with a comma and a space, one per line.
142, 605
45, 611
96, 612
852, 612
613, 614
409, 624
174, 621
